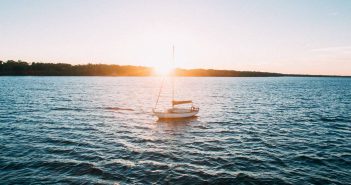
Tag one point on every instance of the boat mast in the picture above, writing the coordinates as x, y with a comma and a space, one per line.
173, 74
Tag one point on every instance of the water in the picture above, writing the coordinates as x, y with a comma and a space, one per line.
100, 130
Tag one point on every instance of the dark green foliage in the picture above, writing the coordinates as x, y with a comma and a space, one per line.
223, 73
12, 68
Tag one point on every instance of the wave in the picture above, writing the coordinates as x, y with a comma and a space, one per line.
66, 109
334, 119
310, 160
119, 109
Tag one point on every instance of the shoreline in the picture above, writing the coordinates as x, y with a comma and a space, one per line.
283, 76
22, 68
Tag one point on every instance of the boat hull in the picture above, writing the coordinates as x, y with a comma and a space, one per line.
175, 115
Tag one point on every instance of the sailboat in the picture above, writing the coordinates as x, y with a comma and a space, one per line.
175, 112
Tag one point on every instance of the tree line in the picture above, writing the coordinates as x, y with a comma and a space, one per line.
19, 67
22, 68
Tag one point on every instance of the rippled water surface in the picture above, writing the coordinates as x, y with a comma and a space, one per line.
100, 130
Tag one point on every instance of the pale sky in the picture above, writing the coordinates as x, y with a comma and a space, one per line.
290, 36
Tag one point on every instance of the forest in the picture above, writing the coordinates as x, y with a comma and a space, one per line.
22, 68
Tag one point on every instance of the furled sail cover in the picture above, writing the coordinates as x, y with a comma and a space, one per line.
181, 102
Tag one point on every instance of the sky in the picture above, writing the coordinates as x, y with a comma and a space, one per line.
290, 36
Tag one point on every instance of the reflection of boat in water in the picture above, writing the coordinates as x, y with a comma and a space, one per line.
175, 112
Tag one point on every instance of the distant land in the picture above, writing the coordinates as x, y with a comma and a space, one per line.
22, 68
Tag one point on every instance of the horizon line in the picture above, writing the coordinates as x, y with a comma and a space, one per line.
182, 68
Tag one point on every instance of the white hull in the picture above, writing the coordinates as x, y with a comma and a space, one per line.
176, 114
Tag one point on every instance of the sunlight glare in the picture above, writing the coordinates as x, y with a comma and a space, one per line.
163, 70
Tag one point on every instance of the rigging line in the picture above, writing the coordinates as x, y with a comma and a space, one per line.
159, 93
173, 74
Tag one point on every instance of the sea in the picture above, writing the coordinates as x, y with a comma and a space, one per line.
101, 130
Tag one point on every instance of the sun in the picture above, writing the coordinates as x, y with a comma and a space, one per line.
163, 70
